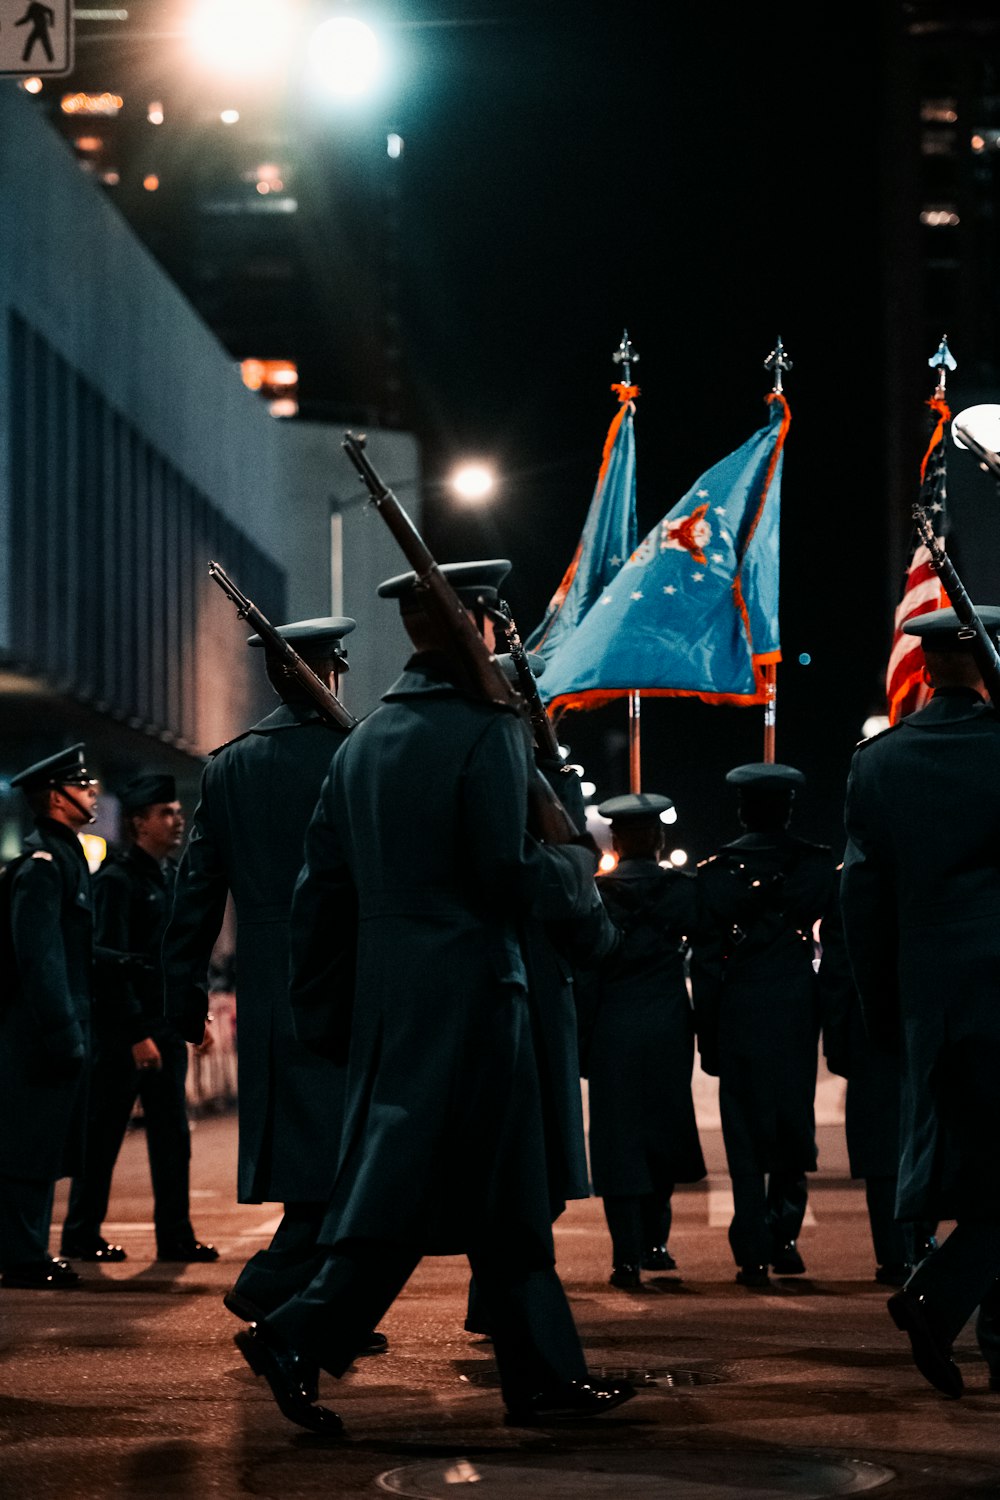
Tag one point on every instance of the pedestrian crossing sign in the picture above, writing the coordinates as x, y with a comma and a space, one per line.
36, 37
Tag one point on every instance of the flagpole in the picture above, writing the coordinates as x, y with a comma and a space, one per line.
625, 355
777, 361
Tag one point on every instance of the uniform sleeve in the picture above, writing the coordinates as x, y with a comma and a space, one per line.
837, 991
115, 992
36, 929
323, 935
199, 907
868, 908
514, 872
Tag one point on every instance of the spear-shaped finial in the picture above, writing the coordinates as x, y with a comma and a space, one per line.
778, 361
625, 356
942, 360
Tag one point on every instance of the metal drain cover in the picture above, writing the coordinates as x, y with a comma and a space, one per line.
650, 1476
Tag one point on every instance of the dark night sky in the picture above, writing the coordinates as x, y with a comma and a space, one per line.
707, 177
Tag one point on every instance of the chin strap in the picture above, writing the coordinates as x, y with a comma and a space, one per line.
87, 813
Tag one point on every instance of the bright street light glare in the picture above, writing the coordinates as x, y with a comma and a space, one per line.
344, 57
244, 38
473, 481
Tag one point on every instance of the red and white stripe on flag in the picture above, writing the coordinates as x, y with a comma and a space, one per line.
905, 689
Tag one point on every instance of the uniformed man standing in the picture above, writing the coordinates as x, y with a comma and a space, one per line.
920, 894
405, 951
757, 1014
257, 795
137, 1052
46, 1016
643, 1133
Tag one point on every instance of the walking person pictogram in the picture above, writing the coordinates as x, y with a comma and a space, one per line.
42, 18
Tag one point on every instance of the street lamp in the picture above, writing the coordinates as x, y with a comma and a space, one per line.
344, 57
472, 482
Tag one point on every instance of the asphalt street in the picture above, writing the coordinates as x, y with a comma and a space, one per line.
131, 1386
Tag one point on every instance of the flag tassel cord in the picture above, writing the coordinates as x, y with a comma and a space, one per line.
635, 740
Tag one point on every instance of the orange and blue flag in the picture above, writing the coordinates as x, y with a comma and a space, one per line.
694, 611
608, 537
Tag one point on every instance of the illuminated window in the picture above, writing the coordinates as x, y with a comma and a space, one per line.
91, 104
939, 111
88, 143
270, 375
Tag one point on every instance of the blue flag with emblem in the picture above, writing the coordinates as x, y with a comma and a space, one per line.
608, 536
694, 611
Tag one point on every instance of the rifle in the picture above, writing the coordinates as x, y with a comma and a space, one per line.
479, 669
545, 735
331, 710
985, 652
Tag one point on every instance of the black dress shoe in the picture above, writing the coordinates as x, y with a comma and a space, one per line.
41, 1275
576, 1400
292, 1380
787, 1261
893, 1275
98, 1249
187, 1251
241, 1307
931, 1349
753, 1276
625, 1276
658, 1259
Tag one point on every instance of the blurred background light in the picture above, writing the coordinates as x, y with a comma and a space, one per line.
678, 857
472, 482
345, 57
242, 38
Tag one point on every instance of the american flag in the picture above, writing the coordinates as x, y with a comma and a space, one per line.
905, 689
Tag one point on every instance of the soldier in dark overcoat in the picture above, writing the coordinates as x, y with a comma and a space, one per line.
45, 1020
643, 1133
871, 1108
557, 957
258, 793
138, 1053
757, 1015
418, 865
920, 894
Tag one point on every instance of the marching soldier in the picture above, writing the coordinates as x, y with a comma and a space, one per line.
137, 1052
757, 1015
257, 795
920, 894
45, 1022
420, 980
643, 1133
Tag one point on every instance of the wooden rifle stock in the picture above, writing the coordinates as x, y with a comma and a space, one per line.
478, 668
985, 652
327, 702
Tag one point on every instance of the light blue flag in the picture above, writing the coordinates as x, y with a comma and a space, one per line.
608, 537
694, 611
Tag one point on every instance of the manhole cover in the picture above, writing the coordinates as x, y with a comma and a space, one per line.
654, 1476
642, 1375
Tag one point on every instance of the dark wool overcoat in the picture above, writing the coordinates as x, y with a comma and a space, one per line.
45, 1020
418, 872
920, 894
257, 795
643, 1134
755, 993
871, 1108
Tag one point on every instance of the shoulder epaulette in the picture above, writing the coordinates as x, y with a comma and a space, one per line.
871, 739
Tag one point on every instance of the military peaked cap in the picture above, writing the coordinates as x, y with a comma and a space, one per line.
147, 790
635, 805
535, 662
470, 580
765, 776
66, 768
939, 629
327, 631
